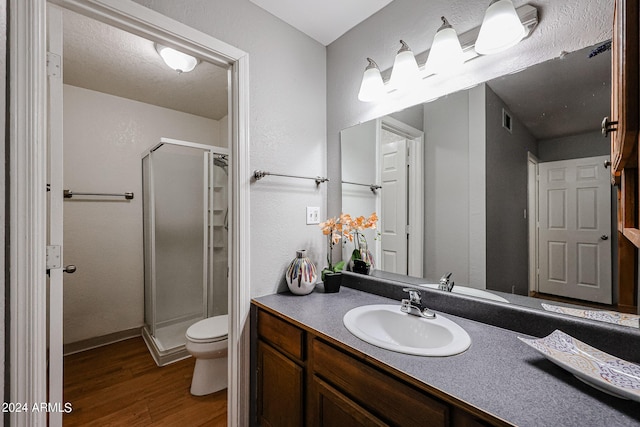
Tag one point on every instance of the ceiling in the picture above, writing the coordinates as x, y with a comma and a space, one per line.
324, 20
106, 59
561, 97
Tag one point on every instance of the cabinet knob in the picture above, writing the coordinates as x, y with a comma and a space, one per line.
608, 126
607, 163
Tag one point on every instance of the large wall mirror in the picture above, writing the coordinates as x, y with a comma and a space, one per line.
505, 185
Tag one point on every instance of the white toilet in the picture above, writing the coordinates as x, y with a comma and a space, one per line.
207, 342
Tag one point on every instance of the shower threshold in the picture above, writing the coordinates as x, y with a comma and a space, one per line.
168, 345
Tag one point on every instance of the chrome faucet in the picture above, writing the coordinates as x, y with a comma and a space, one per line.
446, 284
414, 305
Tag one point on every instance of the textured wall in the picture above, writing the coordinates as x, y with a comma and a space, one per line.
104, 139
566, 25
287, 127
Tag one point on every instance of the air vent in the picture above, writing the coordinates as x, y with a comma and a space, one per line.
507, 123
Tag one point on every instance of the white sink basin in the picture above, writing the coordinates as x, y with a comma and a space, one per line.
385, 326
472, 292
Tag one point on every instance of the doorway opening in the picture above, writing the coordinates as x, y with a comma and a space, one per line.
30, 380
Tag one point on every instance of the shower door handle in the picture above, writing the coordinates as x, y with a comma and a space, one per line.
70, 269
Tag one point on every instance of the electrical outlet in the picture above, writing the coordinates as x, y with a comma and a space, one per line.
313, 215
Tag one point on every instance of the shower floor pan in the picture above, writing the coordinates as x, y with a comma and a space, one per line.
168, 345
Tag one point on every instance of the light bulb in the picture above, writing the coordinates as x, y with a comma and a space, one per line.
405, 73
181, 62
372, 87
445, 54
501, 28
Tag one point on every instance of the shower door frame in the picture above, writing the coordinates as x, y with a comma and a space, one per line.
209, 151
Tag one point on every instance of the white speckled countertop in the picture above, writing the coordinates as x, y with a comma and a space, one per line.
498, 374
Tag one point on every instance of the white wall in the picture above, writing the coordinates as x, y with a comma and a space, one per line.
360, 161
566, 25
287, 127
454, 187
104, 138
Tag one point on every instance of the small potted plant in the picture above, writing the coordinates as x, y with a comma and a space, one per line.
332, 274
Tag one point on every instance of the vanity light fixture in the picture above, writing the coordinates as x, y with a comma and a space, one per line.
446, 52
501, 28
405, 71
372, 86
176, 60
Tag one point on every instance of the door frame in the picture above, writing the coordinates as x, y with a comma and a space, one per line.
28, 129
532, 219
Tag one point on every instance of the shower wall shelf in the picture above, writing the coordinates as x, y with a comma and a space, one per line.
258, 175
372, 187
68, 194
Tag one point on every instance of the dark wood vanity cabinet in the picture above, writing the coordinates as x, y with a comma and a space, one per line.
306, 380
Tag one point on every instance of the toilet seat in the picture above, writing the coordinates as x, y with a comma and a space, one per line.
207, 330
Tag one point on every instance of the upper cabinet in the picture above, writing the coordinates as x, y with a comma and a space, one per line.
624, 102
624, 127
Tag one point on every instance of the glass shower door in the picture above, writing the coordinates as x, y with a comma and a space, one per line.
176, 230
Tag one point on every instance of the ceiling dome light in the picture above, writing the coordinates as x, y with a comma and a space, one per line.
181, 62
501, 28
446, 53
405, 73
372, 87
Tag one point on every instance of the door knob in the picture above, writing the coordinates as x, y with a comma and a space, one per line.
604, 237
70, 269
608, 126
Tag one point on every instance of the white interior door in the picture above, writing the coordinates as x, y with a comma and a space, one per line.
575, 223
55, 261
393, 218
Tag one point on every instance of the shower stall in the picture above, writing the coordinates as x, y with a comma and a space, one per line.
186, 229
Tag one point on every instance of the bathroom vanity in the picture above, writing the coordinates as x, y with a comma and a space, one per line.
311, 371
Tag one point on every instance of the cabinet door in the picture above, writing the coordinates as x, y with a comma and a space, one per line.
280, 389
332, 408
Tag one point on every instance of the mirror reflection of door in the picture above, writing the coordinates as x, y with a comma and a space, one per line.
394, 200
575, 223
382, 171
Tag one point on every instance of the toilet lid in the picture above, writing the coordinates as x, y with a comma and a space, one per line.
209, 329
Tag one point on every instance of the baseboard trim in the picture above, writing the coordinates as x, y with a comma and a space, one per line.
91, 343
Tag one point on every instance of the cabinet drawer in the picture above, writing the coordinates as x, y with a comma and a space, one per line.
281, 334
391, 400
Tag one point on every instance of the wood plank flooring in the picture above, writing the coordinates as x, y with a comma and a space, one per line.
120, 385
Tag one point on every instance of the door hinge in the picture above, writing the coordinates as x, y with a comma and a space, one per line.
54, 65
54, 257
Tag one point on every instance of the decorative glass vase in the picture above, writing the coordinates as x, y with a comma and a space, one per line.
301, 274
